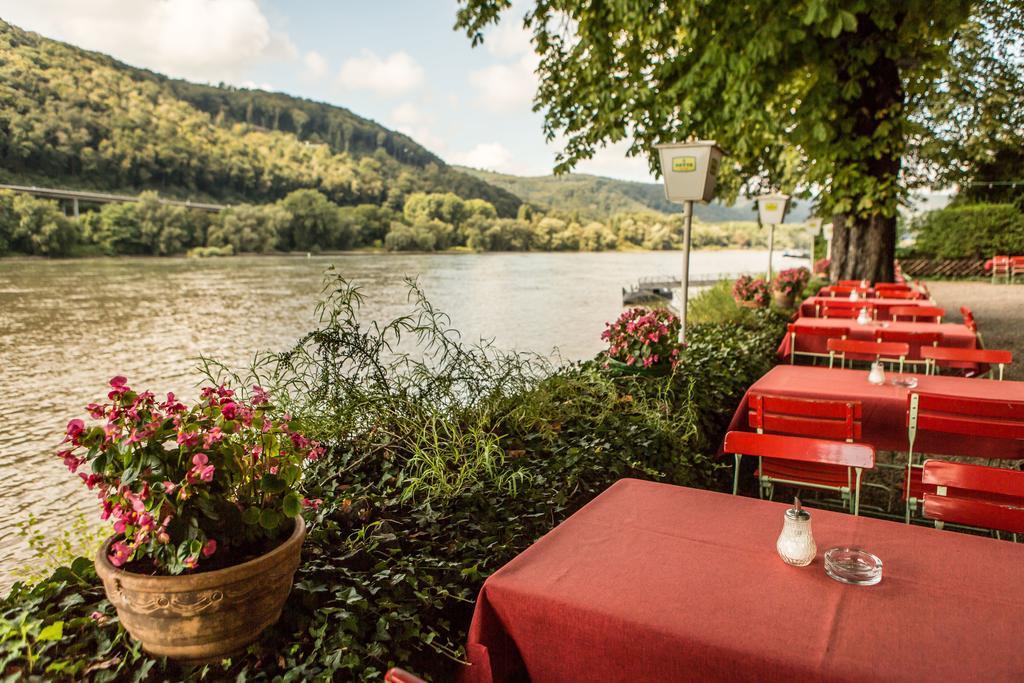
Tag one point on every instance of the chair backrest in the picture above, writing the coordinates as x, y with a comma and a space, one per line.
839, 290
396, 675
893, 287
918, 313
810, 329
915, 340
966, 312
1000, 265
974, 495
800, 449
988, 417
846, 303
833, 312
899, 294
853, 284
947, 355
857, 349
805, 417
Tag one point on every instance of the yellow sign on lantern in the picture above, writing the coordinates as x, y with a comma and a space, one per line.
684, 164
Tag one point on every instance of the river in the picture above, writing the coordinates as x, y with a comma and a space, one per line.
67, 326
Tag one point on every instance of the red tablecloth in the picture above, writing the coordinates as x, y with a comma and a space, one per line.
651, 582
953, 334
885, 407
809, 307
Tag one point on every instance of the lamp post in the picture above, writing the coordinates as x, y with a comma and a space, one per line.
815, 224
772, 210
690, 170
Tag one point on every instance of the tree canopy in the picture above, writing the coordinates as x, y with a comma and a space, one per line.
824, 97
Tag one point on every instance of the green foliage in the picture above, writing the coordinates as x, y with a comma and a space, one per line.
445, 461
34, 226
315, 223
251, 228
80, 119
716, 305
970, 231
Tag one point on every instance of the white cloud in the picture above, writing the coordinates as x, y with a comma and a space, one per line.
612, 161
408, 118
203, 40
490, 156
316, 66
506, 88
396, 74
508, 39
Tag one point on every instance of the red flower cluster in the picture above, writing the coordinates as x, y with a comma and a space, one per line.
644, 338
791, 280
822, 265
180, 482
755, 290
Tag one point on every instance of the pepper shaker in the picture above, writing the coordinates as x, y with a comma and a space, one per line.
796, 542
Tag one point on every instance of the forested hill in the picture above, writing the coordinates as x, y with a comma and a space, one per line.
76, 118
597, 197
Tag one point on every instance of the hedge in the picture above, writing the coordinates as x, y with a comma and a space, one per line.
969, 231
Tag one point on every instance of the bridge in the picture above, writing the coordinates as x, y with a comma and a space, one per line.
75, 196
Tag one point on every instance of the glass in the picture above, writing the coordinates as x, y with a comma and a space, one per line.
854, 566
908, 382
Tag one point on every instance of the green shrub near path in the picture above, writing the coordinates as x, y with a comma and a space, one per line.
970, 231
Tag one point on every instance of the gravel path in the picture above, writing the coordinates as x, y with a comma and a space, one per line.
999, 310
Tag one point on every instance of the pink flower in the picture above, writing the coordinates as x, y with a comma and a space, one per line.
74, 430
169, 487
202, 471
200, 459
120, 555
191, 562
188, 439
213, 436
210, 548
118, 381
316, 452
228, 409
315, 503
91, 480
96, 411
259, 395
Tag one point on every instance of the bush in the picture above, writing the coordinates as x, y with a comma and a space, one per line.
442, 465
35, 226
315, 223
403, 237
971, 231
250, 228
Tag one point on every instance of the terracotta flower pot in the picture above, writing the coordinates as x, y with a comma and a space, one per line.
784, 299
203, 617
748, 304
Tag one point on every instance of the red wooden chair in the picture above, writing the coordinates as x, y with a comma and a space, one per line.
966, 359
974, 495
857, 350
930, 314
1016, 267
838, 454
915, 340
990, 418
396, 675
1000, 267
883, 287
967, 313
846, 313
858, 284
836, 306
800, 331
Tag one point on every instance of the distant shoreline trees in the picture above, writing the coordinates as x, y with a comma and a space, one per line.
307, 221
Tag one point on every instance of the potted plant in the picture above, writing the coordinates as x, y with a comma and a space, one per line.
206, 514
750, 292
787, 284
821, 267
643, 341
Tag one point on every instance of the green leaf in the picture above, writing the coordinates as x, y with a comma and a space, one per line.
292, 504
54, 631
270, 519
251, 516
272, 483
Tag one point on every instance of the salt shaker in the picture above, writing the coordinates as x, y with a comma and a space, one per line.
796, 542
854, 296
877, 374
863, 318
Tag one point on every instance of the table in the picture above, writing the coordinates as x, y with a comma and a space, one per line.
651, 582
953, 334
882, 305
885, 407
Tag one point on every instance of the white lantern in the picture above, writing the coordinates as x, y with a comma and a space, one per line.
690, 170
772, 208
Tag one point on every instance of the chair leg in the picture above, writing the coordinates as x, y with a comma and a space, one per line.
856, 495
736, 475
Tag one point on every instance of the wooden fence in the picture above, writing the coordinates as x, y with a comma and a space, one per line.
927, 267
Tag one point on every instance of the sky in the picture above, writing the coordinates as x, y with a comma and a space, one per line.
397, 62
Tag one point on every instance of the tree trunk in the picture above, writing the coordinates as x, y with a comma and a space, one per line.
864, 244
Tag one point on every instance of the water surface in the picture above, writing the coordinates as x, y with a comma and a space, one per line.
67, 326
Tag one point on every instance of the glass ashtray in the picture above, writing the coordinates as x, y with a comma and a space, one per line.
908, 382
853, 566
